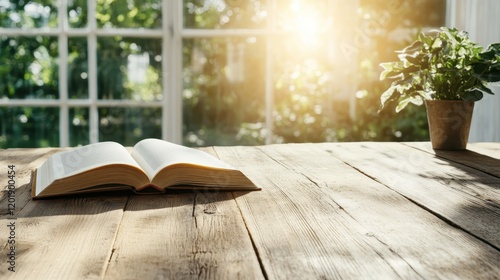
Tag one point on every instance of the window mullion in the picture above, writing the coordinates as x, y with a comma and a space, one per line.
164, 66
269, 77
200, 33
63, 75
92, 68
171, 71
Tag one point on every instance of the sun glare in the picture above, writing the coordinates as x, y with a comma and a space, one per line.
305, 22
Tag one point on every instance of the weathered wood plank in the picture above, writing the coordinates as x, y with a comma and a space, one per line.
488, 148
460, 194
25, 160
67, 238
480, 156
183, 236
317, 217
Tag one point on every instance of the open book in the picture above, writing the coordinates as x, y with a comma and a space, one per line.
152, 166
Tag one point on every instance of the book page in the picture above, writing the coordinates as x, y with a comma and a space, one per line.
65, 164
154, 154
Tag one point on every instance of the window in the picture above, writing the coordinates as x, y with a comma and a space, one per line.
195, 72
84, 71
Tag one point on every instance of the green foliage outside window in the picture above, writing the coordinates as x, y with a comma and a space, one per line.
223, 78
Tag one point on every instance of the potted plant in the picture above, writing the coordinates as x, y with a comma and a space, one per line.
448, 72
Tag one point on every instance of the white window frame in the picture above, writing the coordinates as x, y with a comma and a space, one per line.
172, 33
172, 102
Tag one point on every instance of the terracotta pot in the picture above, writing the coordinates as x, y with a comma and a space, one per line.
449, 123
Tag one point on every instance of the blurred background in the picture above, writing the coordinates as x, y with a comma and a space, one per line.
213, 72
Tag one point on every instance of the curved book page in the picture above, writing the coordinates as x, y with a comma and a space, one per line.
69, 163
154, 155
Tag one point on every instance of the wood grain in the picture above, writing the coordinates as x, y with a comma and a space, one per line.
480, 156
317, 217
183, 236
67, 238
63, 238
25, 161
332, 210
455, 192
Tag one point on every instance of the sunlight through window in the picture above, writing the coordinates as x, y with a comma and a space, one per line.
217, 72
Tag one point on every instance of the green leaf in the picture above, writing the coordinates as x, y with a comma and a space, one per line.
470, 83
390, 71
484, 88
428, 38
414, 47
132, 13
417, 100
415, 58
491, 76
437, 44
479, 67
424, 94
462, 51
491, 52
474, 95
386, 95
410, 70
495, 46
402, 104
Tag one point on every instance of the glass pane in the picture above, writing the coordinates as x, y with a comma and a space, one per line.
29, 127
77, 13
129, 14
78, 85
304, 16
28, 14
223, 91
129, 68
79, 126
386, 26
303, 92
129, 125
225, 14
29, 67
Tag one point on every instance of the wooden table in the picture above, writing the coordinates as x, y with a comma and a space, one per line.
326, 211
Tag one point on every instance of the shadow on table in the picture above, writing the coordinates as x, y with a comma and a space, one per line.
96, 203
484, 163
480, 208
474, 168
